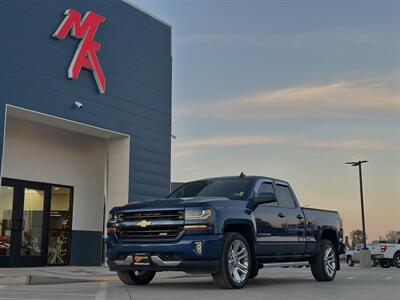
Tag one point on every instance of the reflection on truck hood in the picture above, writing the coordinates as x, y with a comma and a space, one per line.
178, 202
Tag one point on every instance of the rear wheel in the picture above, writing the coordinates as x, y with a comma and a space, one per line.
235, 264
385, 263
350, 261
135, 277
323, 265
396, 260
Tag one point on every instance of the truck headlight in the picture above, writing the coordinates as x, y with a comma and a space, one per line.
112, 217
198, 214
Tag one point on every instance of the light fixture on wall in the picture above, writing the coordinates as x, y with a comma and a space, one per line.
78, 104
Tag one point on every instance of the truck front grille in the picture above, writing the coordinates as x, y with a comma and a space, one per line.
159, 233
153, 215
163, 225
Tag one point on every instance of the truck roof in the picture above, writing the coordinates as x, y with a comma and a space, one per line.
251, 177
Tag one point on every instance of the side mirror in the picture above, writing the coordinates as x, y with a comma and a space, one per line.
265, 198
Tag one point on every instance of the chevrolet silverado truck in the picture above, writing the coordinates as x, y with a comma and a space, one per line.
229, 227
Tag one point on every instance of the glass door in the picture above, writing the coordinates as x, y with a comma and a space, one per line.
24, 228
6, 224
32, 239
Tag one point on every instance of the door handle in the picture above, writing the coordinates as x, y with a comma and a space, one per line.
281, 215
300, 217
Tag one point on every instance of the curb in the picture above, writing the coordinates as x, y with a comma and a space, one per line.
19, 280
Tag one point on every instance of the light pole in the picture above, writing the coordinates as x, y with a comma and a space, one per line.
365, 257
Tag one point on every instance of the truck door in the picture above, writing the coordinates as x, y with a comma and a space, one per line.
271, 225
295, 219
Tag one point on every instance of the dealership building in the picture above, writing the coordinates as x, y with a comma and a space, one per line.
85, 122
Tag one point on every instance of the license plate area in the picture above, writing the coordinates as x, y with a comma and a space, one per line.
141, 259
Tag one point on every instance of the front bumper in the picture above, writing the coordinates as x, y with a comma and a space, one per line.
168, 256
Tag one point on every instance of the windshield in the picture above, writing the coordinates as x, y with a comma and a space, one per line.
233, 189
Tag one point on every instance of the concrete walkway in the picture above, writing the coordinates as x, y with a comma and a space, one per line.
54, 275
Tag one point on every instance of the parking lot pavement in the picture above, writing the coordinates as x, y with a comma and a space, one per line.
290, 283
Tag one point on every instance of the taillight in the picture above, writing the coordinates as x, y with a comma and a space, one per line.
383, 248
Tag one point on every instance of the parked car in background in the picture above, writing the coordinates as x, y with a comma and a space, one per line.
353, 256
386, 254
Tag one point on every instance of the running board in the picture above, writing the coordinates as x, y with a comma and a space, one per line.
287, 264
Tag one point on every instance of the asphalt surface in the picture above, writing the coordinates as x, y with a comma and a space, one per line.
277, 283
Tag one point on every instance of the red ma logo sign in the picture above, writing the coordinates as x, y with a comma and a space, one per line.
86, 54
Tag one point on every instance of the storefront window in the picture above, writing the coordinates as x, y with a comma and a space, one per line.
60, 226
6, 207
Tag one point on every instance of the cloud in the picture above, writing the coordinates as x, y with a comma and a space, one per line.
224, 141
331, 40
352, 145
370, 99
194, 146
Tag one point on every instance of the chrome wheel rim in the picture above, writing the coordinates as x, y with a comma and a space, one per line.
238, 261
330, 261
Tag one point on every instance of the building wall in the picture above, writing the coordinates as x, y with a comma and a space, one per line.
136, 59
42, 153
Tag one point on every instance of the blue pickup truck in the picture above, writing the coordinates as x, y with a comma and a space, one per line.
229, 227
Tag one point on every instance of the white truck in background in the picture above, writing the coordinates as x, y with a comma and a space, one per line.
386, 254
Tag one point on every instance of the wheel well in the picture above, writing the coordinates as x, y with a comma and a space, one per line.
330, 235
243, 229
247, 233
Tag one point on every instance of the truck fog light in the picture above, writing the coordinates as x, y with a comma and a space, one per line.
198, 248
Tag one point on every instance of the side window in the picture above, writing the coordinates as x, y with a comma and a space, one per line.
267, 187
285, 197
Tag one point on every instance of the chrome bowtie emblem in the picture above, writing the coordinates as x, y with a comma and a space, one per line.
143, 223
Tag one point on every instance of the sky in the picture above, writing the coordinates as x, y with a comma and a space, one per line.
291, 90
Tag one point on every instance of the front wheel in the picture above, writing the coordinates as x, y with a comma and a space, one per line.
350, 261
235, 263
323, 265
135, 277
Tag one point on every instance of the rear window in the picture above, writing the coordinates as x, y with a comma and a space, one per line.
285, 197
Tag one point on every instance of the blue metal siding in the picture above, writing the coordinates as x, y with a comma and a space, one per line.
135, 57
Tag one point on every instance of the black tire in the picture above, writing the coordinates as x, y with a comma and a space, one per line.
350, 261
135, 277
324, 264
224, 278
396, 260
385, 263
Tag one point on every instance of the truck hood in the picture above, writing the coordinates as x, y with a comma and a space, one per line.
177, 203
